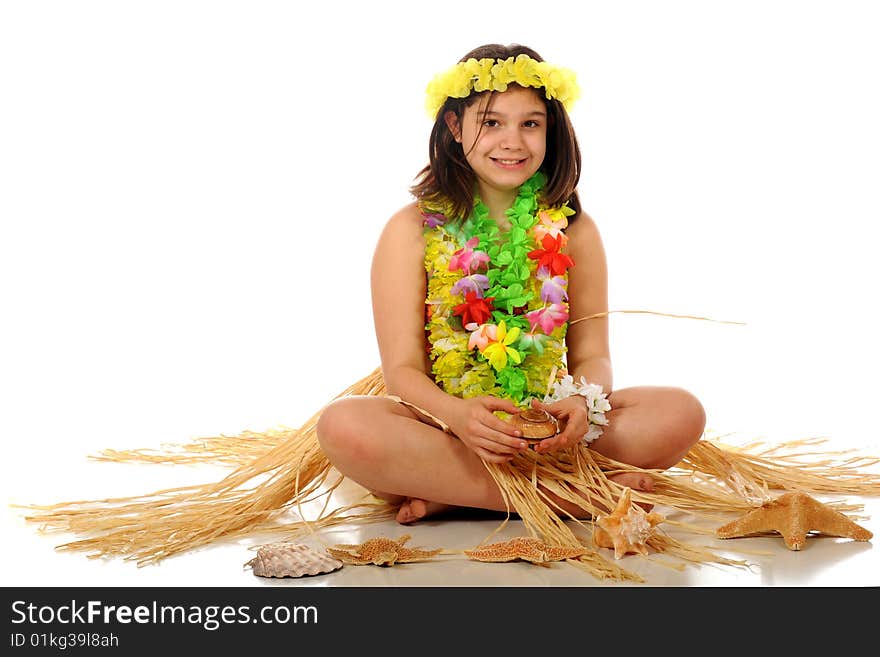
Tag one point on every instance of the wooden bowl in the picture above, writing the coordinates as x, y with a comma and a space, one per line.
535, 424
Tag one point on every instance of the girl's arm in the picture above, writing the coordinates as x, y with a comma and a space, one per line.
587, 341
399, 287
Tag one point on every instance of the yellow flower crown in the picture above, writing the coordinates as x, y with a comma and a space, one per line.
495, 74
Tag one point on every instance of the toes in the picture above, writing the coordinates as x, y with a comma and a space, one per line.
404, 513
634, 480
410, 511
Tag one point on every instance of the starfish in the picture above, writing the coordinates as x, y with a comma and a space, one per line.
794, 515
381, 551
526, 548
627, 528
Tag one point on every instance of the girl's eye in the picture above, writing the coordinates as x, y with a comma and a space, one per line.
531, 124
490, 123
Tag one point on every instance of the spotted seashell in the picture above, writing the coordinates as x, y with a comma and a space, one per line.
291, 560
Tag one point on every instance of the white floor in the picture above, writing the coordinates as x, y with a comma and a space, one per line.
31, 560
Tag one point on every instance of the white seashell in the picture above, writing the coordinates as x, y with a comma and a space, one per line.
291, 560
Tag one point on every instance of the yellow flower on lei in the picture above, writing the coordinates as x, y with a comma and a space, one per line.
499, 351
451, 364
478, 380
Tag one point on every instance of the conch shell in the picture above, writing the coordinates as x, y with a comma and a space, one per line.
627, 529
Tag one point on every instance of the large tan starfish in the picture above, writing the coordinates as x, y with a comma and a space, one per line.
526, 548
794, 515
627, 528
381, 551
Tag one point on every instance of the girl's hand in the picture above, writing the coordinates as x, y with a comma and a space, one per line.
571, 414
492, 438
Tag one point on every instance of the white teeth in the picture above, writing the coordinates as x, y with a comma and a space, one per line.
510, 161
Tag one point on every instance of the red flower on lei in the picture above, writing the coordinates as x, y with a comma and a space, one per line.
474, 309
550, 257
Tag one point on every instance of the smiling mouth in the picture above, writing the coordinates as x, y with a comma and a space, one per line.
507, 163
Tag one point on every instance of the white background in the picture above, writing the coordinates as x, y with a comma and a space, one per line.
190, 193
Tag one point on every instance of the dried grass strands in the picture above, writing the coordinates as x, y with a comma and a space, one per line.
152, 527
650, 312
237, 449
149, 529
522, 495
221, 450
523, 484
293, 470
588, 470
751, 474
675, 490
577, 478
713, 479
374, 512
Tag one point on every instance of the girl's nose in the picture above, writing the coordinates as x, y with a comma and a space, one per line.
511, 139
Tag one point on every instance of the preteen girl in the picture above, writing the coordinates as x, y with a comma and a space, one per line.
511, 258
490, 306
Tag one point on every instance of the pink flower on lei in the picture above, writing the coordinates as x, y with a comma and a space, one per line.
481, 335
433, 220
548, 225
467, 259
553, 287
548, 318
477, 283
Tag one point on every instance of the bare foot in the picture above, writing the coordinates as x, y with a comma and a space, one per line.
413, 509
636, 481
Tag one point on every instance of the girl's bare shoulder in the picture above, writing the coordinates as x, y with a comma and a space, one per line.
402, 233
580, 225
407, 217
583, 234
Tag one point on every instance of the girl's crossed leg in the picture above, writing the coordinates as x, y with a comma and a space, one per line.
393, 451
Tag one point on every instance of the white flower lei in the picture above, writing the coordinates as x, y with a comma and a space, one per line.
597, 402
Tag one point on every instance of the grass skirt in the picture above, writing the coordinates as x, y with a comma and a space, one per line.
274, 473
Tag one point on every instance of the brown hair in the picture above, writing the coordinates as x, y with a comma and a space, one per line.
448, 180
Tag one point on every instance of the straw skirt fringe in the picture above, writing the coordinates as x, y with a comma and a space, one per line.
275, 472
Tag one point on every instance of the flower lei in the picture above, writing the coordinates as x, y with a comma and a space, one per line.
497, 307
495, 75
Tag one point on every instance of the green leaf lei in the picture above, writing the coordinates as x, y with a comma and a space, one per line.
511, 356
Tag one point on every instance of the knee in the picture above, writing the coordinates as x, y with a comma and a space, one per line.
336, 427
690, 418
342, 432
692, 415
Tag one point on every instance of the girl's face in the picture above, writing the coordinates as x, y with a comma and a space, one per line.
506, 145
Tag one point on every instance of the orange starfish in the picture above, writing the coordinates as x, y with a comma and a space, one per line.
627, 528
526, 548
794, 515
381, 551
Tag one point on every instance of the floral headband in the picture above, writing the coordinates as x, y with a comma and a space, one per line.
495, 74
